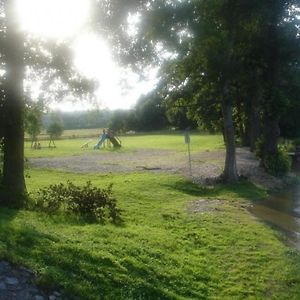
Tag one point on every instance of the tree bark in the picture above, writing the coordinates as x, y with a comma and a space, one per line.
13, 165
230, 174
241, 124
271, 136
254, 128
272, 105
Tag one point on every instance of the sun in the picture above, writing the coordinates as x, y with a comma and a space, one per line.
57, 19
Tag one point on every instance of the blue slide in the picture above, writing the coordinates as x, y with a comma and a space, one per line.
103, 137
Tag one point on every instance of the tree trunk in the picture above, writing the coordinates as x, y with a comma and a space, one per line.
271, 136
241, 124
13, 165
254, 128
230, 174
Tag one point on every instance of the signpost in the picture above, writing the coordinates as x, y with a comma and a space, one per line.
187, 141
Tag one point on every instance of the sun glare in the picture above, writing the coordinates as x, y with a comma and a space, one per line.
93, 56
68, 20
53, 18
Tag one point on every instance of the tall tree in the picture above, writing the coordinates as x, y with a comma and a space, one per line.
222, 50
52, 62
13, 165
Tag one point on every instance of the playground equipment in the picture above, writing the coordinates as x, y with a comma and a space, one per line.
108, 136
86, 144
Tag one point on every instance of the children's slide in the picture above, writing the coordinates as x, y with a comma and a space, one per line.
103, 137
115, 141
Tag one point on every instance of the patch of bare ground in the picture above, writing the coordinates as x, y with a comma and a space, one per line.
206, 166
204, 206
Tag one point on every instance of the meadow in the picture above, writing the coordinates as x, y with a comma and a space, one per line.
164, 248
174, 142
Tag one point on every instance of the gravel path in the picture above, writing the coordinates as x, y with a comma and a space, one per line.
206, 166
17, 283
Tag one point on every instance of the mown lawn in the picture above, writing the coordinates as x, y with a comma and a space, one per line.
174, 142
161, 251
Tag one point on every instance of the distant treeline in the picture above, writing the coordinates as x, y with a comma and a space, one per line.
149, 114
79, 119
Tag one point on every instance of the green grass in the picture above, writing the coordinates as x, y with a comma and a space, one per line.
71, 133
64, 148
161, 251
174, 142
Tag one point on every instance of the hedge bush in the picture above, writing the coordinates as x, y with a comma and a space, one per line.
87, 201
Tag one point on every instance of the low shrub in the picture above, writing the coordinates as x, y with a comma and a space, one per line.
277, 164
87, 201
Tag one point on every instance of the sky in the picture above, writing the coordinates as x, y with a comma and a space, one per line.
68, 19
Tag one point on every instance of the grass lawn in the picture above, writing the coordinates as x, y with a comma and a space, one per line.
174, 142
162, 251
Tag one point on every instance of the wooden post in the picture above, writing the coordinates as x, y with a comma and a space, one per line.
187, 141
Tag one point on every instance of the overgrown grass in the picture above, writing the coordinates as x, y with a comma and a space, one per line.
161, 251
174, 142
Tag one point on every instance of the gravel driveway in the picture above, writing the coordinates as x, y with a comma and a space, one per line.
205, 165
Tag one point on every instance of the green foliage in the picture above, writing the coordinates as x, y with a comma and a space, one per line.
1, 149
80, 119
150, 113
277, 164
296, 142
177, 116
55, 130
259, 148
87, 201
33, 119
119, 120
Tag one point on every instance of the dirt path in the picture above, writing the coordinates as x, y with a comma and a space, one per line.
205, 165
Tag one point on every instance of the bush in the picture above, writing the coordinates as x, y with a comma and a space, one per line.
259, 148
88, 201
277, 164
296, 142
55, 130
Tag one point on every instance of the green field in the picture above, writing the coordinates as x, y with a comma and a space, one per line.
175, 142
71, 133
162, 250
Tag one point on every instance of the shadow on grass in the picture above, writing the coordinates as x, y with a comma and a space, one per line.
86, 274
243, 189
73, 220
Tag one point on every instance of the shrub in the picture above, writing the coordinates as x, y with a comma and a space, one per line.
87, 201
52, 199
277, 164
259, 148
55, 130
296, 142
